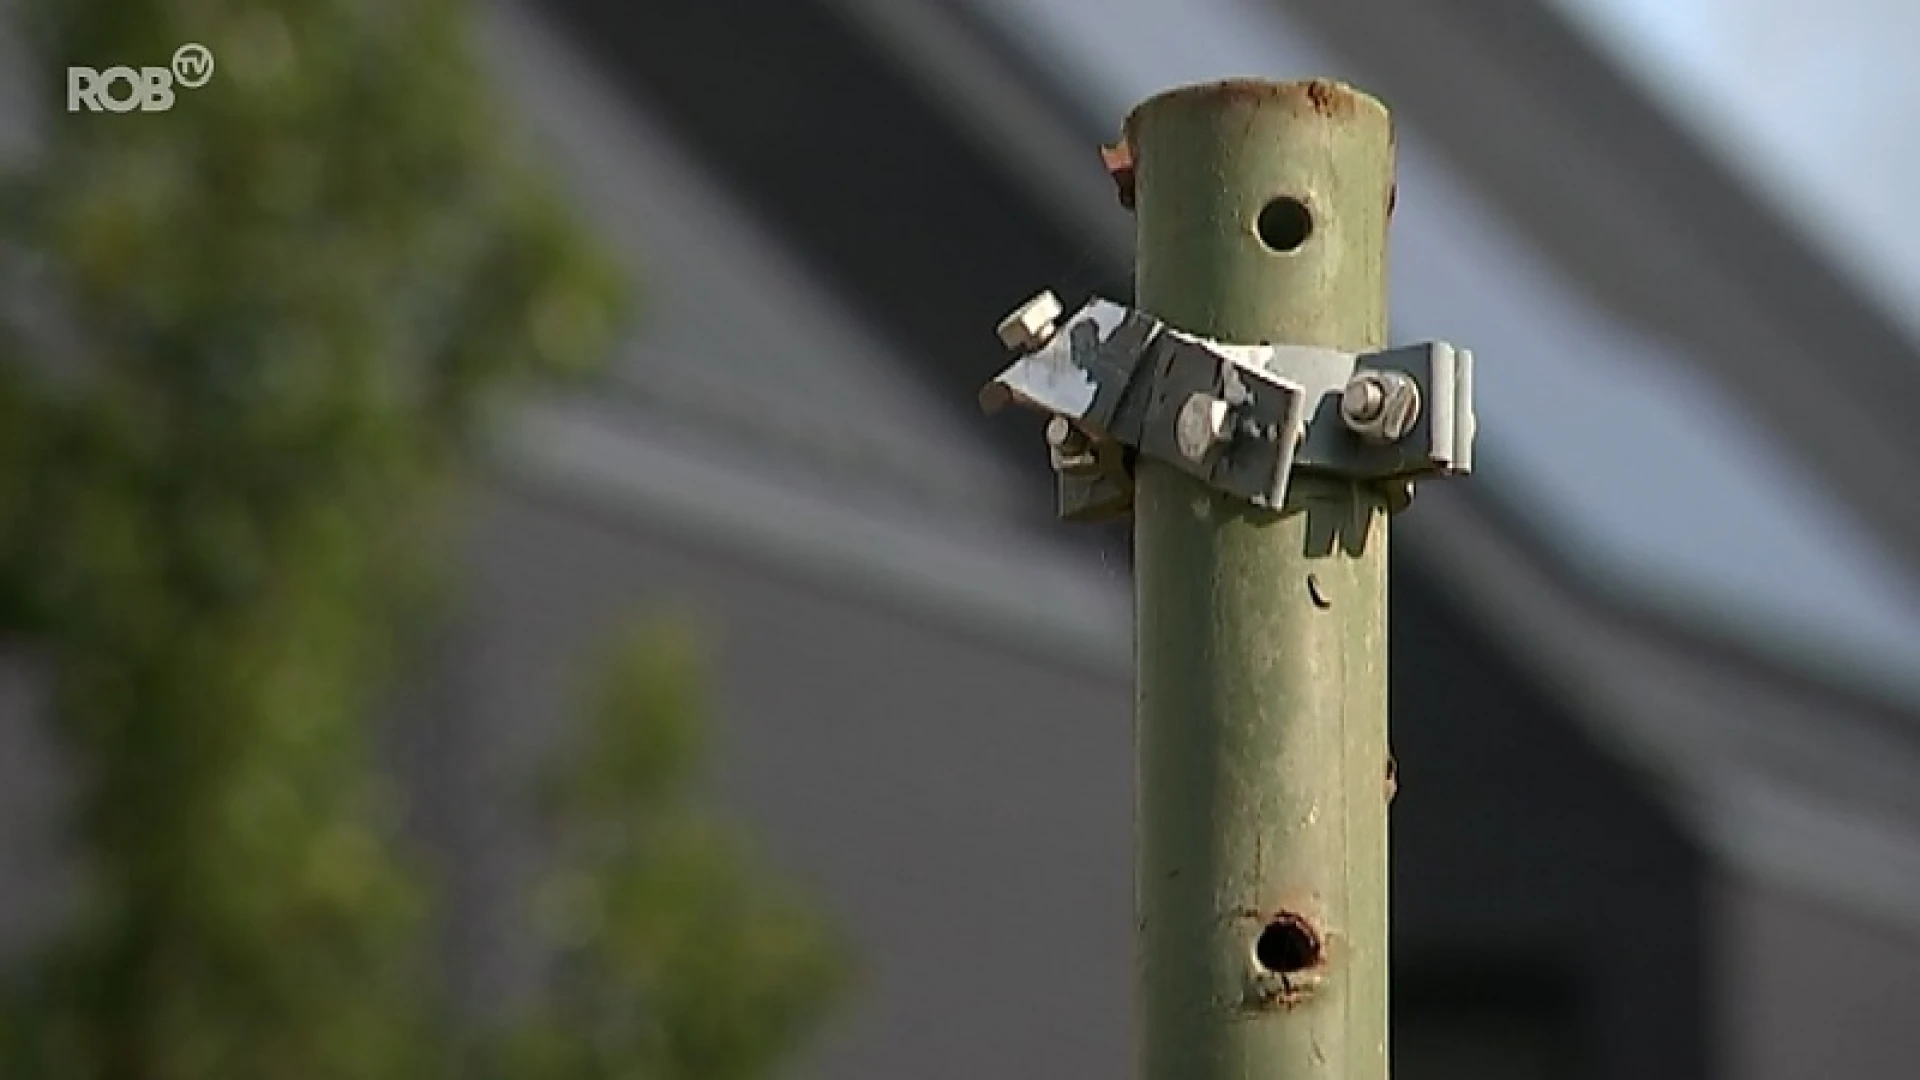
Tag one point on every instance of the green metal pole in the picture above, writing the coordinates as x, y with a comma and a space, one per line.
1262, 715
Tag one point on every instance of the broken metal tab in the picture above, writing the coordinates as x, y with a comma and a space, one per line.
1080, 371
1242, 418
1245, 423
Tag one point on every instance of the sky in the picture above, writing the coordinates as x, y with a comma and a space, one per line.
1816, 100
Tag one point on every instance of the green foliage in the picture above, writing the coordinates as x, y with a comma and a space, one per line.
264, 330
654, 911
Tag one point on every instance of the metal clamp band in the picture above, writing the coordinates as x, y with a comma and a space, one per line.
1118, 382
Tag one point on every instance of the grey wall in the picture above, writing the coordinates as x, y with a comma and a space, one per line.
965, 812
1807, 992
1547, 912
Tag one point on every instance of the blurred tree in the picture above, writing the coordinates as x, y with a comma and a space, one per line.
676, 960
249, 345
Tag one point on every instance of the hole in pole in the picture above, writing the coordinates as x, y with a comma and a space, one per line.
1284, 224
1287, 945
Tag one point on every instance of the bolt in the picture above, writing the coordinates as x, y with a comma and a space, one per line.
1201, 426
1380, 406
1360, 403
1060, 432
1069, 449
1031, 324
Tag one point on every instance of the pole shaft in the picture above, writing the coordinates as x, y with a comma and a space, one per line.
1262, 714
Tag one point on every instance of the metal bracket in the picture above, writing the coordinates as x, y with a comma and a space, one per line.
1118, 382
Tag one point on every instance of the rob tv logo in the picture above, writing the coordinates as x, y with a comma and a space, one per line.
149, 89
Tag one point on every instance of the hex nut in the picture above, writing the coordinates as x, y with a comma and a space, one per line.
1380, 406
1031, 325
1201, 426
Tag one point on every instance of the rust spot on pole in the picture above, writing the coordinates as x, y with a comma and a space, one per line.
1329, 99
1289, 959
1323, 97
1118, 159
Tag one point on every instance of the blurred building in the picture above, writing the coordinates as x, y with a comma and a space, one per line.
1655, 700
